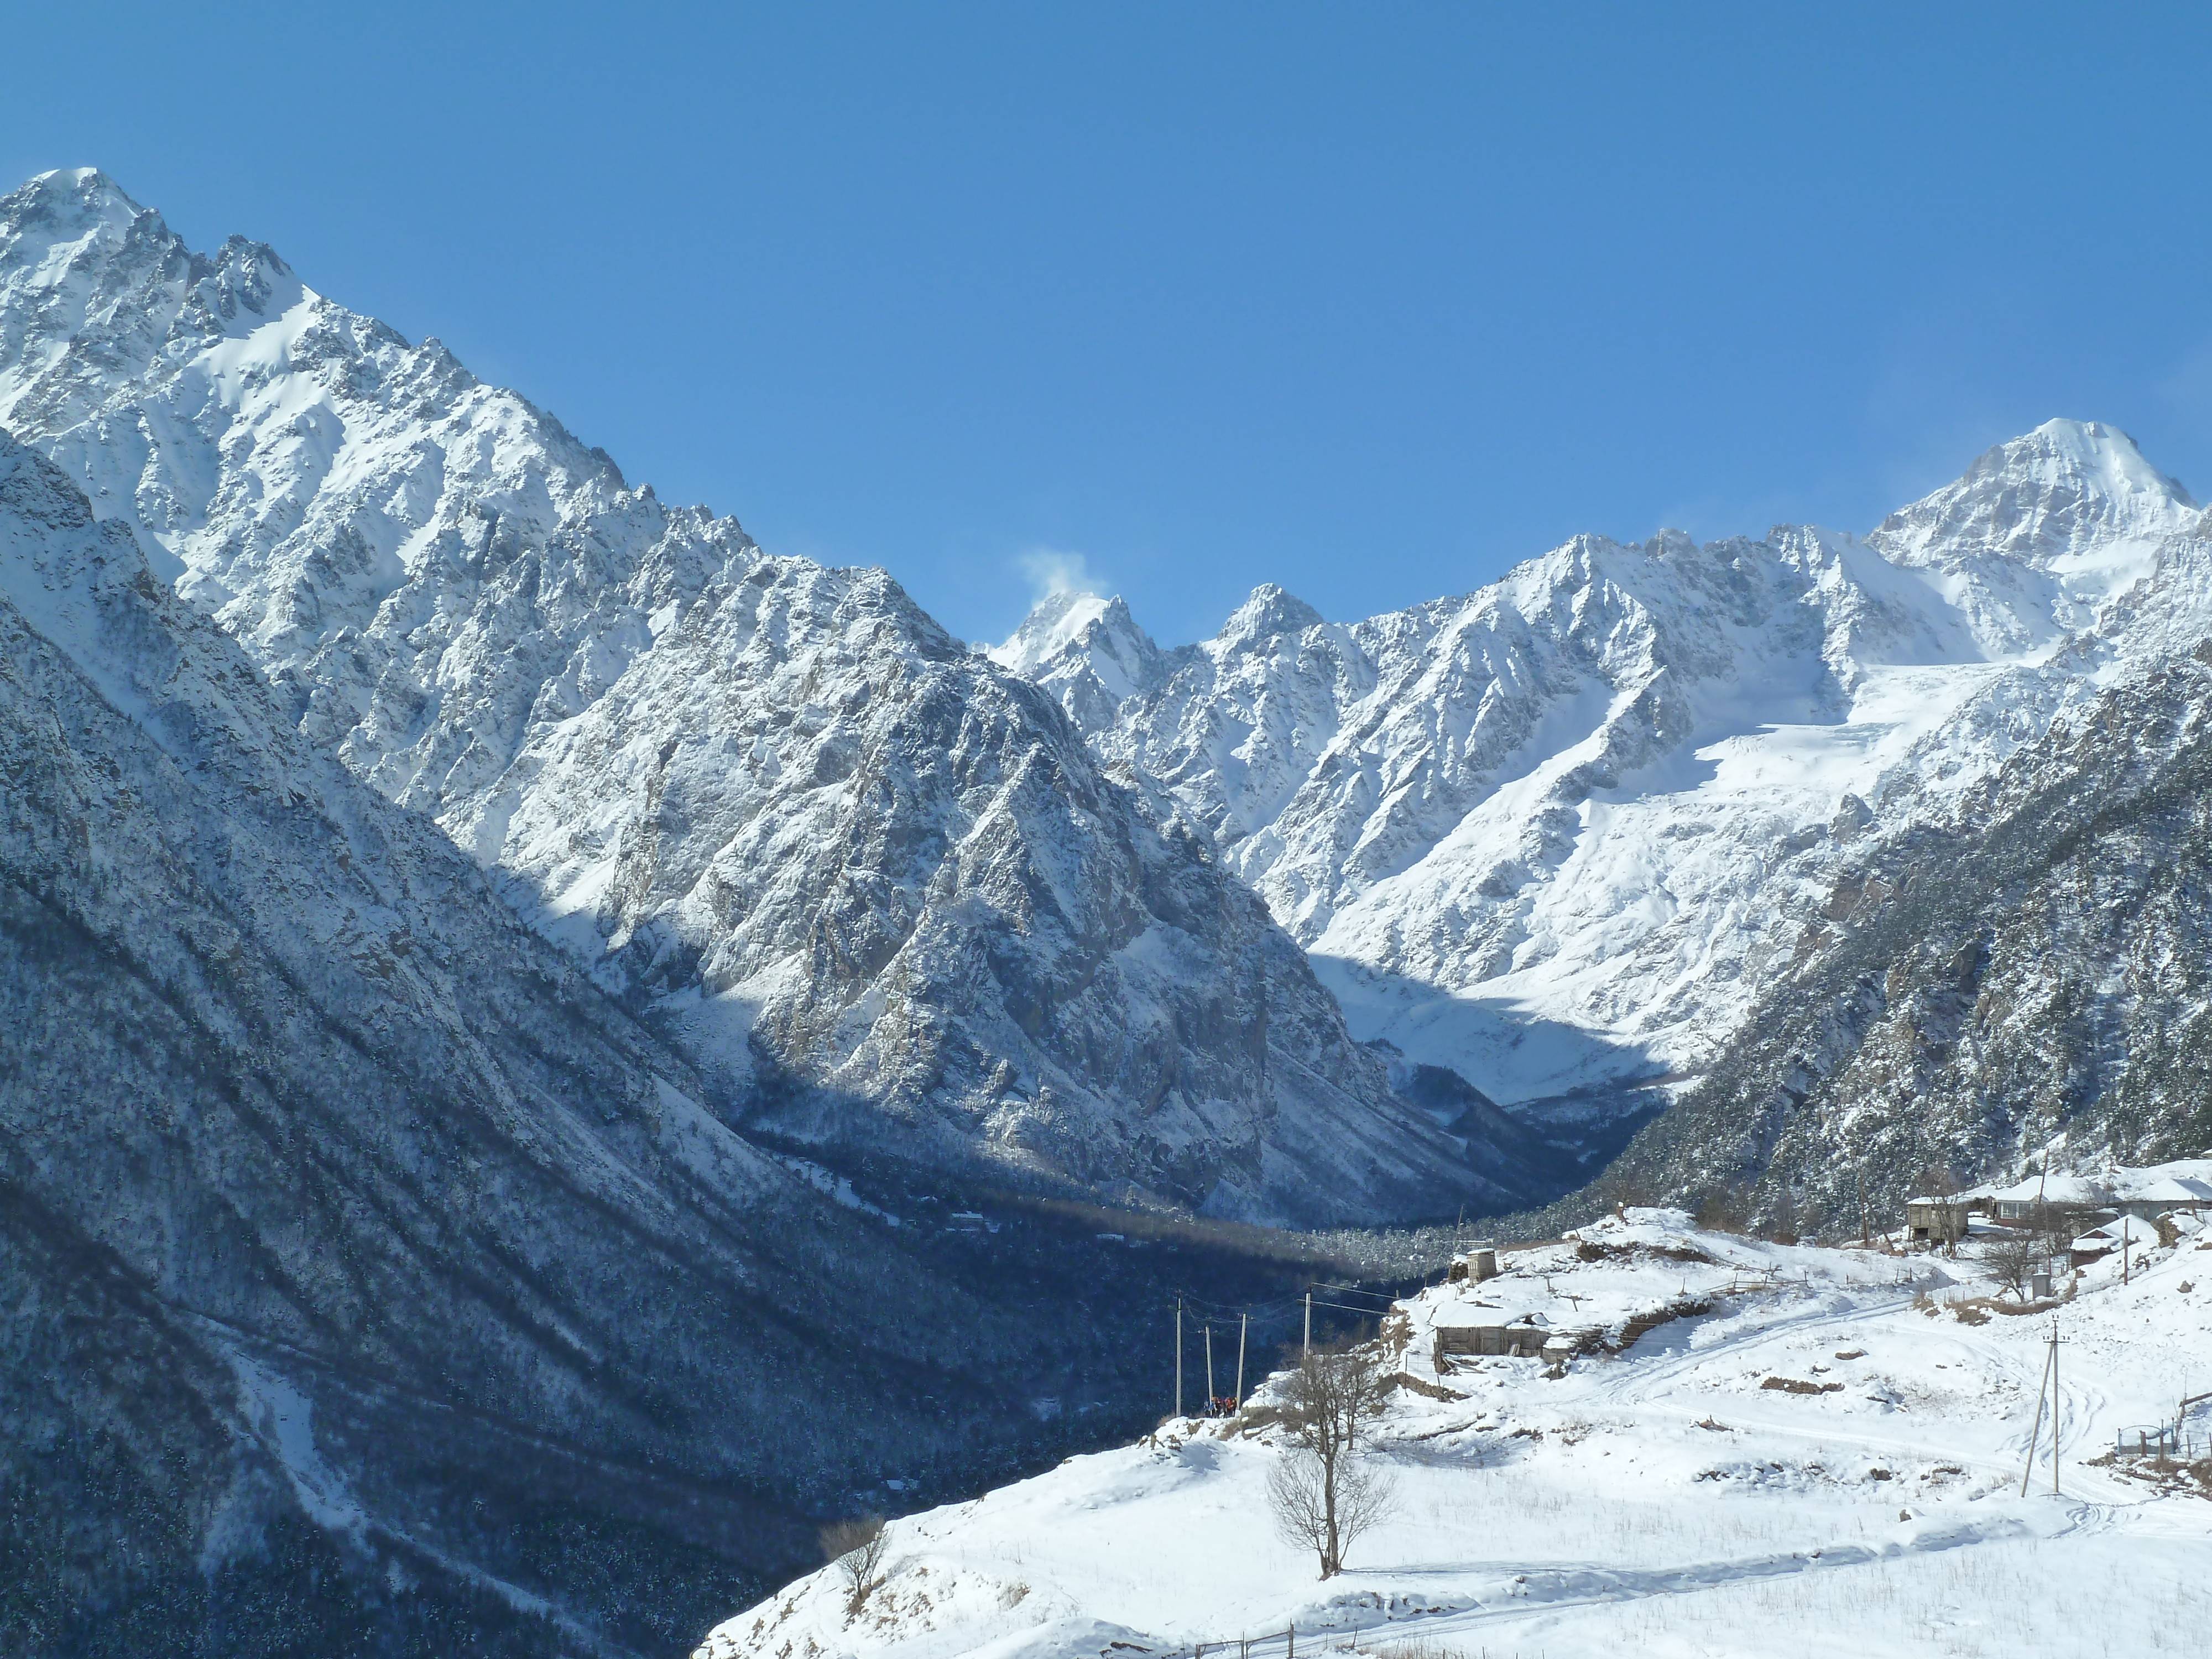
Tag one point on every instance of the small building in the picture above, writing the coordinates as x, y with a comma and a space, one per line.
1936, 1221
2125, 1233
1476, 1328
1472, 1265
2152, 1195
2024, 1203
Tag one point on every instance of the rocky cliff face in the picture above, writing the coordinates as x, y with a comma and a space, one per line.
1562, 834
373, 1280
872, 884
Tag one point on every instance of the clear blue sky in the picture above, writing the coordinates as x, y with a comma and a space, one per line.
1370, 299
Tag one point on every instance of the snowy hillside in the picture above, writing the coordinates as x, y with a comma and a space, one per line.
1561, 832
874, 886
1826, 1459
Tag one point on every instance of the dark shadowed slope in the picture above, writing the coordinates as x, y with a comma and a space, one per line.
368, 1272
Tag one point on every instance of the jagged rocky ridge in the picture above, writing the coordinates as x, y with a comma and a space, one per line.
1562, 834
876, 889
373, 1281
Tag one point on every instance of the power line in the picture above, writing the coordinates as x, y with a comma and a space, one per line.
1354, 1289
1229, 1309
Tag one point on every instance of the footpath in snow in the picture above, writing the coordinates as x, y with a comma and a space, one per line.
1732, 1448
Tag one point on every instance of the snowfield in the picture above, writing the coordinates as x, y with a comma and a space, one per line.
1671, 1498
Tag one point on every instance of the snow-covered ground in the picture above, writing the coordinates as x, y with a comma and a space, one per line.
1661, 1500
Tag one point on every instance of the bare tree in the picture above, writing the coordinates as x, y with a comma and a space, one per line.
2056, 1226
1936, 1180
856, 1549
1326, 1491
2013, 1255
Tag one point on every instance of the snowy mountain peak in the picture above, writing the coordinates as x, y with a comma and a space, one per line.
1057, 621
2042, 534
1087, 651
1269, 613
2038, 499
2092, 446
74, 197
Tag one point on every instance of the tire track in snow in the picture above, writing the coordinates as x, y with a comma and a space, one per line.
1554, 1589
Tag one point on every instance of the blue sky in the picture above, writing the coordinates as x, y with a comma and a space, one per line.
1373, 301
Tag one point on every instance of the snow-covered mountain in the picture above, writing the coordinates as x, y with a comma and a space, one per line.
367, 1271
876, 885
1560, 834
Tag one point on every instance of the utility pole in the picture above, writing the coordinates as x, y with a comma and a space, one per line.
1244, 1326
2048, 1390
2035, 1430
2054, 1403
1306, 1349
1179, 1357
1210, 1396
2124, 1248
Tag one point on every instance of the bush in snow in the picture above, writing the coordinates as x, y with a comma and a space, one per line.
857, 1549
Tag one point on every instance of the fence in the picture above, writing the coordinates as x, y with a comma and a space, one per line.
1382, 1623
2162, 1440
2173, 1439
1284, 1642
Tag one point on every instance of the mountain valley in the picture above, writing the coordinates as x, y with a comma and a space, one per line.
553, 1050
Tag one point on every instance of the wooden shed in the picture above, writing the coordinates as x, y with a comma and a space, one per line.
2092, 1246
1934, 1220
1473, 1328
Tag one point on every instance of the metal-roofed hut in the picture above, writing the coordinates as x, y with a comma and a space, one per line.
2098, 1243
